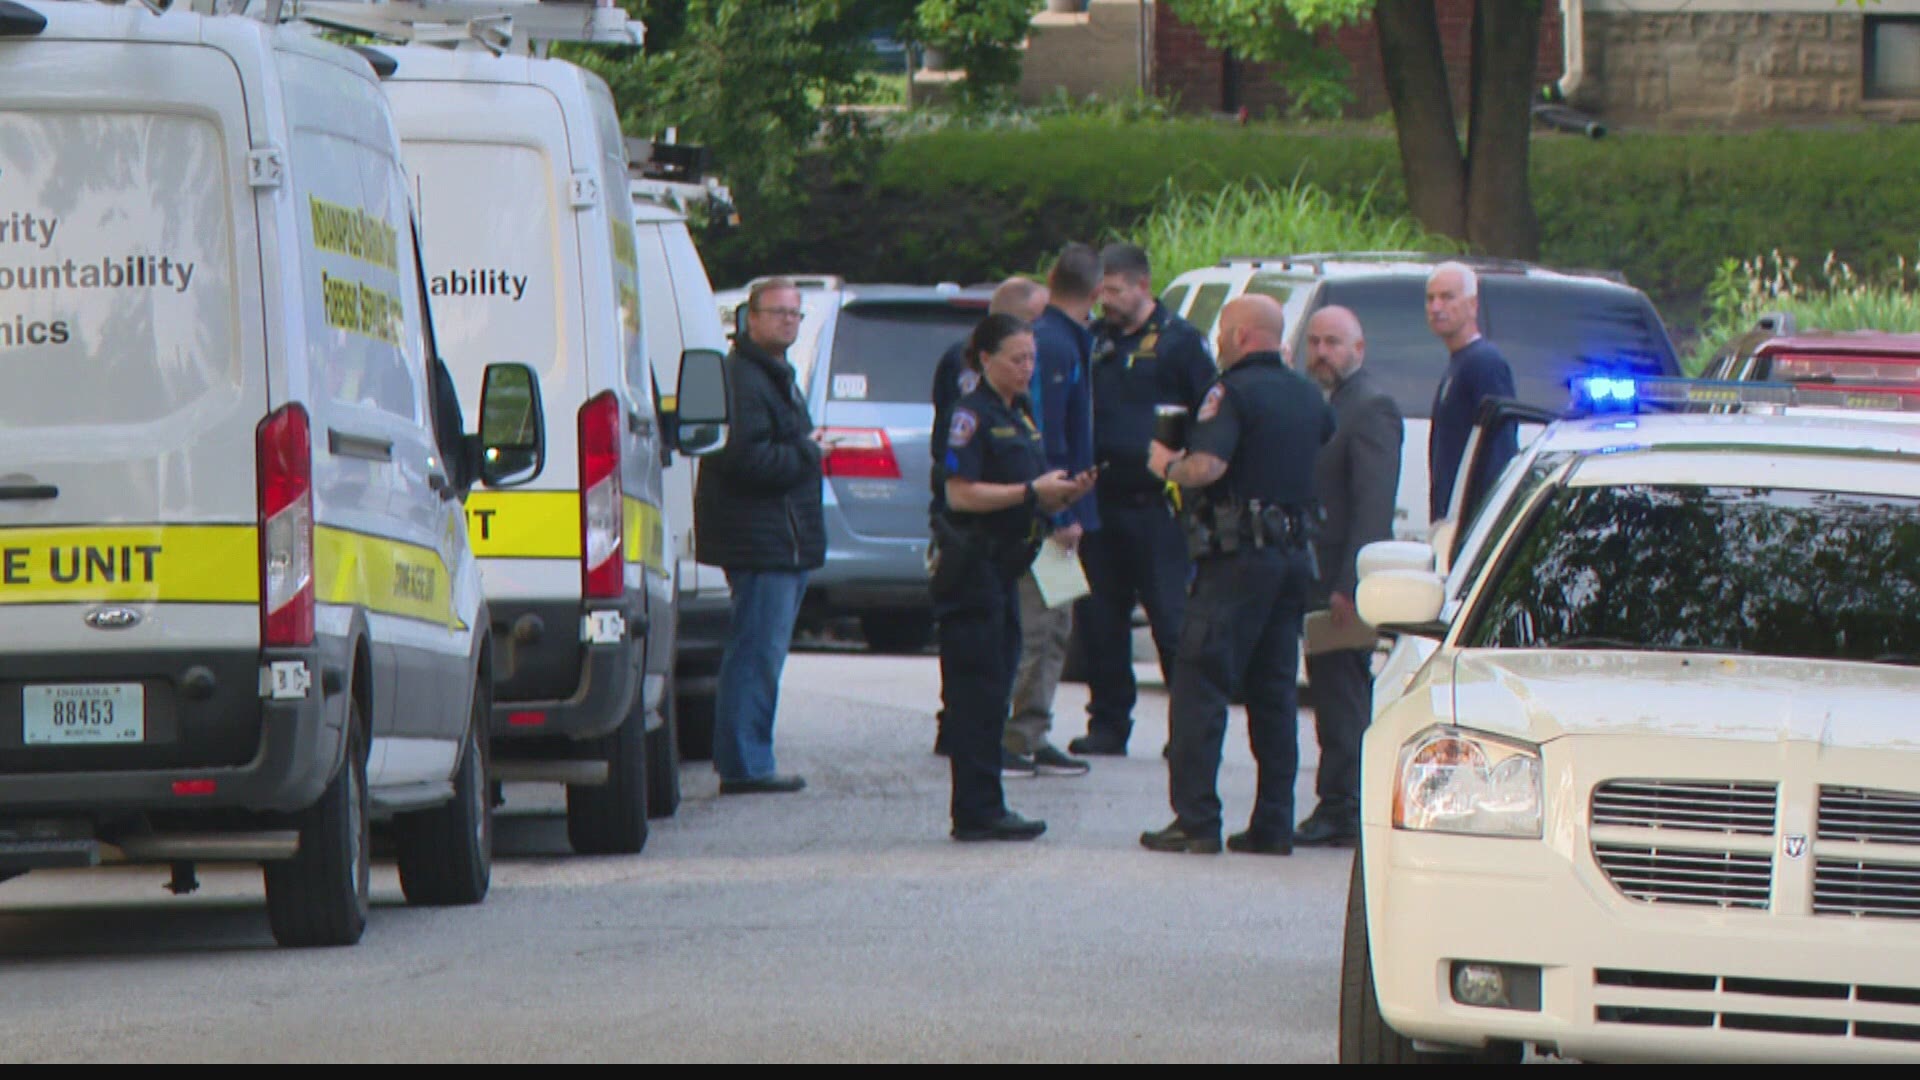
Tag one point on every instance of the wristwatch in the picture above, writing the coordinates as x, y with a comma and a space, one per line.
1033, 497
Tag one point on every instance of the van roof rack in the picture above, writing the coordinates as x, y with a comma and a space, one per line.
502, 27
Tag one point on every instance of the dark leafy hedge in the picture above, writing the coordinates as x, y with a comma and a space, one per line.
969, 205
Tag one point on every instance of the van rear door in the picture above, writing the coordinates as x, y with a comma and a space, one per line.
131, 348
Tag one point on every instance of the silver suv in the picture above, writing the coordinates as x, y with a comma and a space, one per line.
865, 359
1551, 325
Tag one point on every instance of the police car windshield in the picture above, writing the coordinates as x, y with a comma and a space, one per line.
1771, 572
887, 351
1549, 329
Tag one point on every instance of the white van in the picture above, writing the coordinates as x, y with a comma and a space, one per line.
520, 172
239, 618
679, 314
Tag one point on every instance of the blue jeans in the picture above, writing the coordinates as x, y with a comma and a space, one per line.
765, 604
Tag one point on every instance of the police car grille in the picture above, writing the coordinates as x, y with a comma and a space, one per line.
1671, 875
1711, 806
1877, 890
1874, 817
1791, 1007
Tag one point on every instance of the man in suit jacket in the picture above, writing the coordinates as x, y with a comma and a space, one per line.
1356, 478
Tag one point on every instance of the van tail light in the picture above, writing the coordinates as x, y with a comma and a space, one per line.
284, 459
860, 453
602, 569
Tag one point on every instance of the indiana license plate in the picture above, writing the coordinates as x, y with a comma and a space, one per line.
83, 714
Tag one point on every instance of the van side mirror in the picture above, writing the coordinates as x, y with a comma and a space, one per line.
701, 409
512, 445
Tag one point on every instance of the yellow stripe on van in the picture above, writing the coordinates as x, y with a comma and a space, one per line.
546, 525
183, 564
383, 575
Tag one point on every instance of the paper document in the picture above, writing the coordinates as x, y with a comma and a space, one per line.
1324, 636
1057, 572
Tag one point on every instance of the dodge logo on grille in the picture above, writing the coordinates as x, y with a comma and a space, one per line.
1795, 845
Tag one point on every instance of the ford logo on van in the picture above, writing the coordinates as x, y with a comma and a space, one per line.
113, 618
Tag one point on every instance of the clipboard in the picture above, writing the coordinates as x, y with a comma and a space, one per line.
1323, 636
1057, 573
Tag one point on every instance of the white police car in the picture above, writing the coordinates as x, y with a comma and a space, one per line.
1655, 794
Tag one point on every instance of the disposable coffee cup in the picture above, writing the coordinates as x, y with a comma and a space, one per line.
1170, 425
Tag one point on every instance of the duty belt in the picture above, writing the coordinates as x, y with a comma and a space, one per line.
1229, 528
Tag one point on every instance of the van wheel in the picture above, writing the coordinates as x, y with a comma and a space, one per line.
446, 853
611, 818
1365, 1038
904, 632
663, 765
694, 720
319, 897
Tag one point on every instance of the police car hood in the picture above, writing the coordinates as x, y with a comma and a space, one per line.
1540, 695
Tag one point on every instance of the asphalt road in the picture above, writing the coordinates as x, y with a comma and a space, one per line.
839, 924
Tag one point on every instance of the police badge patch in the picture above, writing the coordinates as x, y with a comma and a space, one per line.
969, 382
1210, 405
964, 423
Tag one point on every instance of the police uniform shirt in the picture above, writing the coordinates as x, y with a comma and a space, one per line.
1267, 422
1165, 362
991, 443
952, 380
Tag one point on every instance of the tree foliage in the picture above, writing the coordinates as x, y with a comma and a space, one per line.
982, 37
1286, 34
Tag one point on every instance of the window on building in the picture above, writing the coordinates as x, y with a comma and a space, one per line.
1893, 56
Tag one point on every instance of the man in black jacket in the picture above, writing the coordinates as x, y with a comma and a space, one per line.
756, 515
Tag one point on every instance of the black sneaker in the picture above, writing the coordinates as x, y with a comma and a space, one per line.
1009, 827
1012, 764
1177, 839
1049, 761
1259, 843
1098, 746
1327, 831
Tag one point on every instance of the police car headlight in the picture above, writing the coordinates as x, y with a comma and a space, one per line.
1455, 781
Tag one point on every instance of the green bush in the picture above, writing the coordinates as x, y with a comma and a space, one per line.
1191, 229
1665, 209
1834, 297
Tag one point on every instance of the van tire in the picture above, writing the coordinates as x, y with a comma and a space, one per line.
611, 818
694, 719
663, 765
445, 854
319, 898
900, 632
1365, 1038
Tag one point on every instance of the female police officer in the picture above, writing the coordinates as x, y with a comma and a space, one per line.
997, 491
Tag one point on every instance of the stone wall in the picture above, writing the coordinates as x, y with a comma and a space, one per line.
1095, 52
1733, 68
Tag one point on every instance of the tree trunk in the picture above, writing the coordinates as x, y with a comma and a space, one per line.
1499, 203
1416, 77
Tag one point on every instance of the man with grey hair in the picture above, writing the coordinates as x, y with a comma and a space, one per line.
1475, 372
1355, 479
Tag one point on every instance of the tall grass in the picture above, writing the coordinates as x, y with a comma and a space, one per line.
1189, 229
1834, 297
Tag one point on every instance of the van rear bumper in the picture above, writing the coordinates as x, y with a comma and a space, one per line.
207, 722
588, 688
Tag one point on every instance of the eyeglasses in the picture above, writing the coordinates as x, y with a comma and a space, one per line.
781, 312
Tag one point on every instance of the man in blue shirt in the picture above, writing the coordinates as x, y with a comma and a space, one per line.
1062, 399
1475, 372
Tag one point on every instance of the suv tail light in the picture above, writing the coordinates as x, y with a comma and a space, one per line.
284, 460
602, 569
862, 453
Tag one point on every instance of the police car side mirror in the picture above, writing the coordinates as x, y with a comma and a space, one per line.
1403, 602
698, 418
512, 444
1394, 555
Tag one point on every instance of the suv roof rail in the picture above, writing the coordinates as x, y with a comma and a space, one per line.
1777, 322
502, 27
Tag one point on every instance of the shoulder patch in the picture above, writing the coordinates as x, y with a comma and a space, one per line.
969, 381
1210, 405
964, 425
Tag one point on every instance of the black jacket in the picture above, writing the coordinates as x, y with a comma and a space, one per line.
1357, 478
757, 504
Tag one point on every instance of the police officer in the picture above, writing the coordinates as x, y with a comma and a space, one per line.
998, 495
1253, 448
1144, 356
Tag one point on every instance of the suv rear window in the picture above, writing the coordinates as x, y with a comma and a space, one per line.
887, 351
1549, 331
